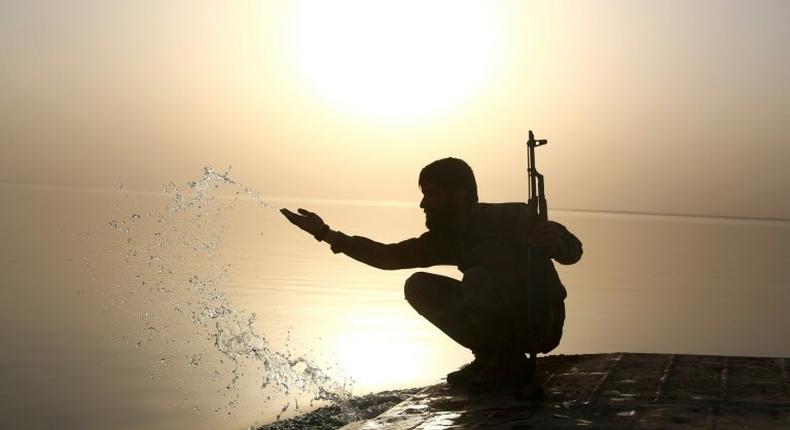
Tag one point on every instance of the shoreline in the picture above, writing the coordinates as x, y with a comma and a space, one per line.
358, 408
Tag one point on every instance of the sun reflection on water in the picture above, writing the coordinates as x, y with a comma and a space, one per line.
379, 350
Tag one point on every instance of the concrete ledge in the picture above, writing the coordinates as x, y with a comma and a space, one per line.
614, 391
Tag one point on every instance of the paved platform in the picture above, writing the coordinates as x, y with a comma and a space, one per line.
614, 391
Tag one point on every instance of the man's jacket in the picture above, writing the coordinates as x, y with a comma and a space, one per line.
493, 238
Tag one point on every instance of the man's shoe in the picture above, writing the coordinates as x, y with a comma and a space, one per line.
468, 371
506, 371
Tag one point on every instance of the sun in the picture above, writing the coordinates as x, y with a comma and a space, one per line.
395, 60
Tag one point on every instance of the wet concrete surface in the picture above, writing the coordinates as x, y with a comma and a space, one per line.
613, 391
335, 416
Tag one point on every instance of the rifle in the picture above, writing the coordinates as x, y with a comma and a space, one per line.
537, 200
538, 261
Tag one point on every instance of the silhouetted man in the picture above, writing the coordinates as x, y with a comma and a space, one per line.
488, 243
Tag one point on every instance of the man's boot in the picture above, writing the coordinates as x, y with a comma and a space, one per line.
467, 372
500, 372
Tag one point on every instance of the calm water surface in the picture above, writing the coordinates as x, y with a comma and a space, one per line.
97, 332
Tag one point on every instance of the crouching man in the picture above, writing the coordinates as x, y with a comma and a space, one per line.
488, 243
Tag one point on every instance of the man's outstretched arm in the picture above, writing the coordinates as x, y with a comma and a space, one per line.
415, 252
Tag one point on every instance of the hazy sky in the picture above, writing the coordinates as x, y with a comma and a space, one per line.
673, 106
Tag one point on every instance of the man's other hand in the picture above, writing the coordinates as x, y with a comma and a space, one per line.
306, 220
547, 235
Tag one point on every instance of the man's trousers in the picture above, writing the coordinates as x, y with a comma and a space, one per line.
479, 312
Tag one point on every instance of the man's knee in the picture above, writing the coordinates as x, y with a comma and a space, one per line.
414, 286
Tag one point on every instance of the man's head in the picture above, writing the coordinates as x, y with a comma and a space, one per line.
448, 187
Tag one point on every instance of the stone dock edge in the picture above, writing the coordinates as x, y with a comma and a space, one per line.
612, 391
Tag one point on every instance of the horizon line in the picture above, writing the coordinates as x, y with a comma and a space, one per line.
383, 203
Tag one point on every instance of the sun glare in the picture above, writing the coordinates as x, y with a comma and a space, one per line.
378, 349
396, 60
375, 359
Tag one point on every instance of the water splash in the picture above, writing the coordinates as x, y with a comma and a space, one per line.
201, 190
175, 254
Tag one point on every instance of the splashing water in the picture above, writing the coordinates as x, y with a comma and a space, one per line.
211, 179
187, 231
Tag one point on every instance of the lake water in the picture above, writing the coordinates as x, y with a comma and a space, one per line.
104, 300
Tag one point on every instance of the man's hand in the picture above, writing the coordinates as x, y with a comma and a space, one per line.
305, 220
548, 235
